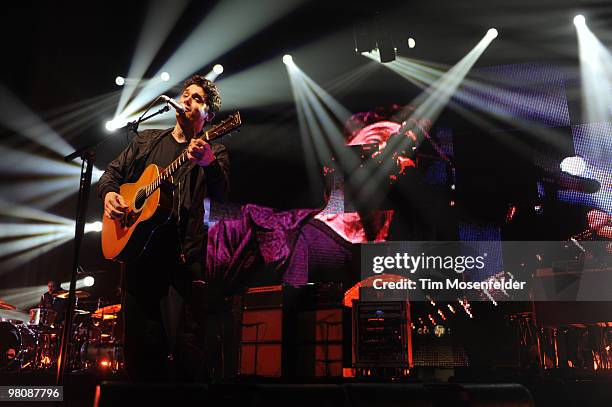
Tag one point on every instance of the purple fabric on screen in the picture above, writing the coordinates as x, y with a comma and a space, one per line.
260, 233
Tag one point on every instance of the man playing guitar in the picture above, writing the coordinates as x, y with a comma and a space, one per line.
158, 281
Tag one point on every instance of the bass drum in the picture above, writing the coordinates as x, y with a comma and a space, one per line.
102, 356
17, 347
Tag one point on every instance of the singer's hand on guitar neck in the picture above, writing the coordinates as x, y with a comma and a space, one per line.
114, 206
200, 152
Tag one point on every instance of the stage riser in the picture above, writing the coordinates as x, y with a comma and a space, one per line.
324, 395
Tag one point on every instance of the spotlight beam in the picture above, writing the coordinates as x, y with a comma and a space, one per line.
247, 18
310, 153
30, 243
16, 116
322, 119
349, 80
15, 210
496, 100
41, 193
429, 105
19, 162
160, 20
314, 127
596, 74
26, 297
12, 230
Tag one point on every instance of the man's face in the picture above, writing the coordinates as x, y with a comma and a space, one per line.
194, 100
50, 286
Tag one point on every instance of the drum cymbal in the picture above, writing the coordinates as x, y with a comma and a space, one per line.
104, 317
63, 294
109, 309
81, 312
7, 306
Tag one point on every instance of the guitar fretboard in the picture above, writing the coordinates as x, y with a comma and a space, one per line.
225, 126
166, 173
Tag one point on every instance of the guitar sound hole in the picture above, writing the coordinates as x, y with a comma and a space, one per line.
140, 199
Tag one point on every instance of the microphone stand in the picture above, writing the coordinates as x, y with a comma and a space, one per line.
87, 155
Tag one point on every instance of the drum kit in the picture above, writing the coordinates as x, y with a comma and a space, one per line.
31, 341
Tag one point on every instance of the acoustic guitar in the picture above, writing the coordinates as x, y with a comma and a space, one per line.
149, 206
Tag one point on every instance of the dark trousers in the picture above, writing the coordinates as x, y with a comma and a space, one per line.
158, 344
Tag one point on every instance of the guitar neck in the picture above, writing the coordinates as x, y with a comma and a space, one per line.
167, 173
217, 131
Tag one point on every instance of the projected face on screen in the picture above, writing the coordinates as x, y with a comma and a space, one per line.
372, 132
379, 134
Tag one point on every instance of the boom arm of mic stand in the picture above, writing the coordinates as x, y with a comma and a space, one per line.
87, 154
133, 126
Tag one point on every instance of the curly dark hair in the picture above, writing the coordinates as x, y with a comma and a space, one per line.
213, 97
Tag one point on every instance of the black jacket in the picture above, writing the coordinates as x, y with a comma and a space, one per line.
130, 164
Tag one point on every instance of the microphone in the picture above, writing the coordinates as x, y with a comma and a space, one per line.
577, 183
176, 105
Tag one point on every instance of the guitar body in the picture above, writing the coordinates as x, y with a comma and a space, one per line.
126, 238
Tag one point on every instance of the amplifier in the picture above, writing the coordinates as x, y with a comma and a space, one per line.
383, 335
323, 331
288, 332
265, 318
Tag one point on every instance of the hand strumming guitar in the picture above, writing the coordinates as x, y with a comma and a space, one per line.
114, 206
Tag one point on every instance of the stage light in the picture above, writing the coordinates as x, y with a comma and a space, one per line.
164, 76
247, 18
214, 72
120, 81
93, 227
158, 22
579, 20
89, 281
363, 34
384, 42
287, 59
115, 124
386, 52
411, 43
492, 33
573, 165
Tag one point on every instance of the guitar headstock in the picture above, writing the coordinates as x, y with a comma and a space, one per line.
230, 123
